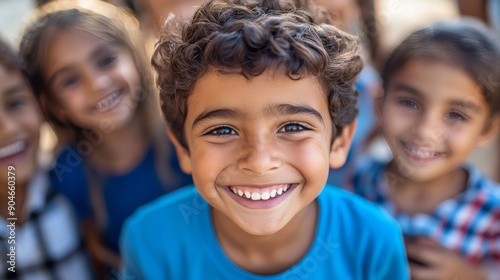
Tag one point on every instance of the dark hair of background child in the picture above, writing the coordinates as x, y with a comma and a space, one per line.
466, 44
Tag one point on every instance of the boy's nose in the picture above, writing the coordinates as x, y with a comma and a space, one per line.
259, 157
428, 129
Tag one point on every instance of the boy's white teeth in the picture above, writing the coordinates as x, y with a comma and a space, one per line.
255, 196
273, 193
419, 152
260, 193
106, 101
265, 196
12, 149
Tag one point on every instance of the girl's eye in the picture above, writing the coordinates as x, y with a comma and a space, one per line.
107, 61
222, 131
408, 103
456, 116
70, 81
293, 128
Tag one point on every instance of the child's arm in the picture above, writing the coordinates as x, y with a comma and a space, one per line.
439, 262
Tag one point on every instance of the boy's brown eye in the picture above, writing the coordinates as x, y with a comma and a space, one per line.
409, 104
220, 131
293, 127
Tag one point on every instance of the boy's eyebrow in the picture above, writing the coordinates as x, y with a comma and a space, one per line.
217, 114
408, 89
465, 105
272, 110
459, 103
289, 109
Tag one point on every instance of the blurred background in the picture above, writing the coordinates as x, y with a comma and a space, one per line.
387, 22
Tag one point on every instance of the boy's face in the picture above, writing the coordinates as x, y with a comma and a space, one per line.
20, 121
260, 149
92, 80
432, 116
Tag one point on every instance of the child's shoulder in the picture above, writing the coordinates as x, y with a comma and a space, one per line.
481, 188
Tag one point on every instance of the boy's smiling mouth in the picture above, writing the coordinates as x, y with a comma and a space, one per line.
420, 154
262, 196
260, 193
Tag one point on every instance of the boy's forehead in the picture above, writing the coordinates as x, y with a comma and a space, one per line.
269, 94
232, 85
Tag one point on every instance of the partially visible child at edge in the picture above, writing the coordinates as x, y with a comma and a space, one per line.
39, 236
95, 85
442, 99
260, 102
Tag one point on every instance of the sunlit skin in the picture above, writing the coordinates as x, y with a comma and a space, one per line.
433, 115
20, 121
266, 131
83, 72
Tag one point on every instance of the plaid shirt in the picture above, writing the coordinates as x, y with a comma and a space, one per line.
468, 223
48, 244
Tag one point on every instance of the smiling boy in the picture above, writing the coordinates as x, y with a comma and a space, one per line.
260, 103
441, 100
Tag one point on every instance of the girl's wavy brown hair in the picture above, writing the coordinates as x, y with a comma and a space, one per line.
250, 38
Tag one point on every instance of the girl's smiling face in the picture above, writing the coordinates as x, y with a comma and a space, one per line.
259, 149
93, 82
433, 115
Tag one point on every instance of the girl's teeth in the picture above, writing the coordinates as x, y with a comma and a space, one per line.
105, 102
265, 195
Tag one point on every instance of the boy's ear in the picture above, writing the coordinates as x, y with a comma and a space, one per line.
341, 145
182, 153
490, 131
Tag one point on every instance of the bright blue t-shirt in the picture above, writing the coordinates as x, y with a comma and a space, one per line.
174, 238
122, 194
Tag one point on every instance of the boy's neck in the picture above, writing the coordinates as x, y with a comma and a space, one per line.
121, 149
270, 254
414, 197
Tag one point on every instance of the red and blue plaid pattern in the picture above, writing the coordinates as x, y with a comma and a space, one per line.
468, 223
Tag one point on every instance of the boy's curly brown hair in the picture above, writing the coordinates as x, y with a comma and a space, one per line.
250, 38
